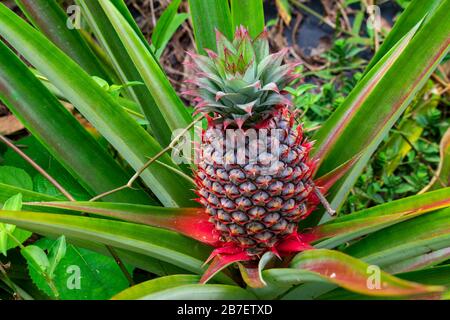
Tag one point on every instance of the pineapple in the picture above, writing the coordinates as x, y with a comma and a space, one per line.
255, 204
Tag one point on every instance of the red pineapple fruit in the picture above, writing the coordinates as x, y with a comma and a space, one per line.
255, 190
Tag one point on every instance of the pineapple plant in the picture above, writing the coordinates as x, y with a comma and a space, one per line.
256, 203
258, 200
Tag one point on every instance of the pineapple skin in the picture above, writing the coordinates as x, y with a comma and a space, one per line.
255, 205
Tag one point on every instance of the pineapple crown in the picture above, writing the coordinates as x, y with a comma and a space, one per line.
242, 83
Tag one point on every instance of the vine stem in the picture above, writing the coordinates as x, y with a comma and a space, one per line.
149, 162
68, 196
37, 167
9, 282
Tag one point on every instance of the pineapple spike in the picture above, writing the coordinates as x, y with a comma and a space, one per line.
219, 95
271, 87
211, 54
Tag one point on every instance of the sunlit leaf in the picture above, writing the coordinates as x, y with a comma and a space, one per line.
248, 13
219, 18
182, 287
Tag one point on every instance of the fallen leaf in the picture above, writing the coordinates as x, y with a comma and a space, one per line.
9, 125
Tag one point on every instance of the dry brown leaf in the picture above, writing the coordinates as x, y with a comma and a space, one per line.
9, 125
284, 10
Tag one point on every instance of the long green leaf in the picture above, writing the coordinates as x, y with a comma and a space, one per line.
411, 244
413, 14
164, 29
125, 12
182, 287
352, 226
60, 133
157, 243
207, 16
7, 191
124, 66
174, 111
192, 222
248, 13
406, 240
52, 21
421, 261
146, 289
133, 143
380, 98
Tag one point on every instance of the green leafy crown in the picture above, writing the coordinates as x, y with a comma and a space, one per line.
242, 83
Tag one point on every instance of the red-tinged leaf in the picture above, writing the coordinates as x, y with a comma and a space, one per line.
430, 276
442, 177
156, 243
337, 124
358, 276
191, 222
292, 244
378, 100
220, 262
251, 274
357, 224
326, 181
228, 249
